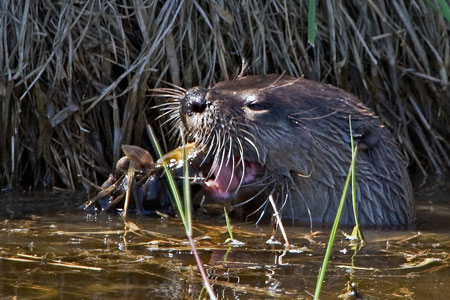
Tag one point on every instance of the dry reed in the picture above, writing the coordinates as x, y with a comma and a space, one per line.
74, 75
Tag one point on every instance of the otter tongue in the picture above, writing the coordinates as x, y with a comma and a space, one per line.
225, 181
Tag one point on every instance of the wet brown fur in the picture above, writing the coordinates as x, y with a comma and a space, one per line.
298, 130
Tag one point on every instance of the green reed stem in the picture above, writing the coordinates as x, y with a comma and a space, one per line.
185, 214
186, 190
335, 226
170, 180
353, 172
227, 220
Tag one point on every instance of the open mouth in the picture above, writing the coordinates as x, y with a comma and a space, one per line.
228, 177
221, 182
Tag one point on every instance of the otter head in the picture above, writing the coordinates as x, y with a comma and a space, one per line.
234, 122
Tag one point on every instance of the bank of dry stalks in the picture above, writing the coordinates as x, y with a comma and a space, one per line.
75, 75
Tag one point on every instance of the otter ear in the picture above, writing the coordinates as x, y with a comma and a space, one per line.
366, 137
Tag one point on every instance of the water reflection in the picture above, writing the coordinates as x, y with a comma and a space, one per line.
51, 250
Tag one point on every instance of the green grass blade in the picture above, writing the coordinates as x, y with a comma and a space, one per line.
312, 22
187, 190
170, 180
333, 231
356, 233
227, 220
445, 9
442, 7
185, 214
355, 213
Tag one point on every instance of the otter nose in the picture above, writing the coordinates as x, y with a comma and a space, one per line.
194, 101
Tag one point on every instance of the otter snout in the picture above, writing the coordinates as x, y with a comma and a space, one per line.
194, 101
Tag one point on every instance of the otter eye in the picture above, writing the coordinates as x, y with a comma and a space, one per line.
256, 106
253, 104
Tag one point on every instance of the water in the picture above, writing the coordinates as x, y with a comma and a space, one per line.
51, 250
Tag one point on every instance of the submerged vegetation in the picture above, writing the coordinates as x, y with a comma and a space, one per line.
75, 75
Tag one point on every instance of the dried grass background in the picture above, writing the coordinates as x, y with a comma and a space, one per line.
75, 75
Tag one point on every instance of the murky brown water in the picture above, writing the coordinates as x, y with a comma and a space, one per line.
51, 250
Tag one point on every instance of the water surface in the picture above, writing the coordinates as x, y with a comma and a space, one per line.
49, 249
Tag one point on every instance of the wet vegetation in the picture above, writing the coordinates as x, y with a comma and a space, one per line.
75, 75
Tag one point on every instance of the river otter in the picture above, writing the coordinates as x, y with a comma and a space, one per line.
290, 137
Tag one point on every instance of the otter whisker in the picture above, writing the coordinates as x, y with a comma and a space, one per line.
175, 88
223, 150
172, 97
170, 114
264, 180
246, 131
175, 115
175, 104
158, 92
173, 131
253, 145
206, 138
251, 198
217, 146
164, 114
162, 91
263, 206
266, 202
241, 161
168, 108
305, 175
291, 203
175, 121
304, 201
217, 154
247, 139
284, 189
231, 177
171, 117
211, 144
230, 148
